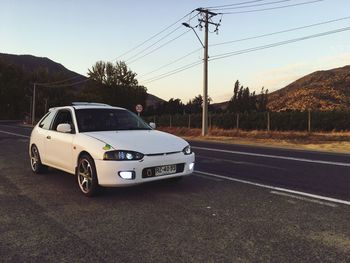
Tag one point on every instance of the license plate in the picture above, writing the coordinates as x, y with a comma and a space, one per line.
166, 169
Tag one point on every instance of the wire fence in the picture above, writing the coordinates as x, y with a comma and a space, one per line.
277, 121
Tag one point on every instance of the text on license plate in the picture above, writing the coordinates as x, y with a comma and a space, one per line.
166, 169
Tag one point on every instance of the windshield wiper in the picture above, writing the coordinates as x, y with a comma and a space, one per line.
133, 129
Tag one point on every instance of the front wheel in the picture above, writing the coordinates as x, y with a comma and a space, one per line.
35, 161
87, 176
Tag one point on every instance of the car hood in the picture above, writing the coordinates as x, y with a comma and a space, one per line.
144, 141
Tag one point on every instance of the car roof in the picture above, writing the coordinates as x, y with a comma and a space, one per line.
86, 106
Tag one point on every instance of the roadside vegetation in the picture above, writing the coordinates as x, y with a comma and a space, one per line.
318, 141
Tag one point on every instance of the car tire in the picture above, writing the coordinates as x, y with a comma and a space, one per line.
87, 176
35, 161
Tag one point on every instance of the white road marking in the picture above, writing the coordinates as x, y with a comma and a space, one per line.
274, 156
212, 159
320, 197
17, 126
15, 134
210, 178
304, 199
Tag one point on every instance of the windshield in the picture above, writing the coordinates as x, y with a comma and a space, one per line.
90, 120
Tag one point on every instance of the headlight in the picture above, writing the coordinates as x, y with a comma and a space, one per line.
122, 156
187, 150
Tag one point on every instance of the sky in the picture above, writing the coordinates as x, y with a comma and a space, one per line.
78, 33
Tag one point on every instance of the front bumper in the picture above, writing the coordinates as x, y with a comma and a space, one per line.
107, 171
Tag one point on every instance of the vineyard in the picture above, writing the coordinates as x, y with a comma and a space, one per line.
278, 121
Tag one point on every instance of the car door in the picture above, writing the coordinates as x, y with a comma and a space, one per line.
41, 132
59, 145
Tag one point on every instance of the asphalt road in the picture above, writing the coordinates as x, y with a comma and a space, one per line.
243, 204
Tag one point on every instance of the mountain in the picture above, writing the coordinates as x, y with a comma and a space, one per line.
220, 105
30, 64
321, 90
152, 100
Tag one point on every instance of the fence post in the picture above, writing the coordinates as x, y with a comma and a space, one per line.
309, 121
210, 121
189, 121
237, 121
268, 121
170, 121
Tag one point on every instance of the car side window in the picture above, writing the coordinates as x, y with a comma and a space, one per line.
63, 116
47, 120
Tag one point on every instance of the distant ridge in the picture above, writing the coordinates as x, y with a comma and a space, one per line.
153, 100
31, 63
322, 90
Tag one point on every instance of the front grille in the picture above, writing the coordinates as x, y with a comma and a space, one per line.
151, 171
160, 154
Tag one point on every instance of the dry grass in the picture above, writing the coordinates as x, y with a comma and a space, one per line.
331, 141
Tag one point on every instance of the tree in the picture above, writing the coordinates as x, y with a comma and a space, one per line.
243, 100
109, 74
195, 105
115, 84
262, 100
98, 72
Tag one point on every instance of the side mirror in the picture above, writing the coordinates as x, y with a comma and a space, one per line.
153, 125
64, 127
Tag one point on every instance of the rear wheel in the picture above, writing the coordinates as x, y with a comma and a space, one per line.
35, 161
87, 176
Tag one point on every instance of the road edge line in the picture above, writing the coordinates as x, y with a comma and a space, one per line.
273, 156
320, 197
15, 134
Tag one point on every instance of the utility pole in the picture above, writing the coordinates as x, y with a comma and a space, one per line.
206, 16
205, 77
46, 99
33, 104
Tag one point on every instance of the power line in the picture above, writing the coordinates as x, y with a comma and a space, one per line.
170, 63
148, 47
244, 51
173, 72
136, 56
58, 81
239, 52
153, 36
271, 8
241, 3
255, 5
49, 85
282, 31
244, 39
154, 50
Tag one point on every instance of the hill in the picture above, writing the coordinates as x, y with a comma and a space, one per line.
30, 64
321, 90
18, 72
153, 100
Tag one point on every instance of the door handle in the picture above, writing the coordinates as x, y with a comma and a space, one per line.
48, 137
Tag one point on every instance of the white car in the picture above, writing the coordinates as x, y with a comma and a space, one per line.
106, 146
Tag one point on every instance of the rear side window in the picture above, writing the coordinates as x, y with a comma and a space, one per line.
46, 122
